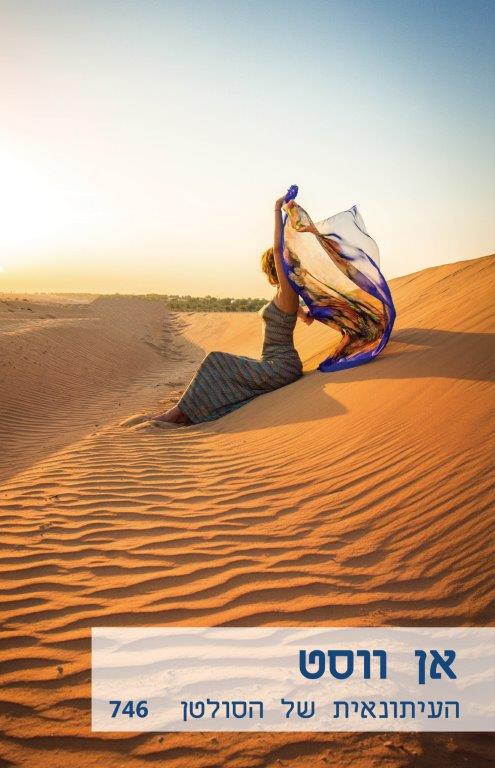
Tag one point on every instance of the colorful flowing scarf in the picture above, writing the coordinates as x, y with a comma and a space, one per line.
333, 266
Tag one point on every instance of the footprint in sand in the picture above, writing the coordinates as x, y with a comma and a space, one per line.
146, 421
136, 419
152, 424
164, 424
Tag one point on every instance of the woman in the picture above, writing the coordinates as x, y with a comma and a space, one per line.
223, 381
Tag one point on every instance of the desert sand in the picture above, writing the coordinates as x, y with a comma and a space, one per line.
354, 498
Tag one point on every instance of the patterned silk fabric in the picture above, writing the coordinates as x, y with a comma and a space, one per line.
334, 267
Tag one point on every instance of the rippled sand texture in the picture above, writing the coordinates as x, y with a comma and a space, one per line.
354, 498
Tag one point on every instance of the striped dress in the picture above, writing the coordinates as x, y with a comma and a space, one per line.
224, 382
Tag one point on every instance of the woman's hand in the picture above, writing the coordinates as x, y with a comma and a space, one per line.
305, 316
279, 203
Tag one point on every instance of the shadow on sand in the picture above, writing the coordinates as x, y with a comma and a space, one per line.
413, 353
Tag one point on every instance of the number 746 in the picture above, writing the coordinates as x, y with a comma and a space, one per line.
129, 708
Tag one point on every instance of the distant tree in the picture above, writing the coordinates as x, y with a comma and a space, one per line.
212, 304
200, 303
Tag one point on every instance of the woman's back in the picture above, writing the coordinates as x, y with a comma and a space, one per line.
278, 333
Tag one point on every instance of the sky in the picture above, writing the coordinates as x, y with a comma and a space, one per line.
143, 142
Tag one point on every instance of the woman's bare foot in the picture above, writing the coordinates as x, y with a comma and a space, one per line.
173, 416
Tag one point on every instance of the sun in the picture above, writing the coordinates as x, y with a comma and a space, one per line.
33, 209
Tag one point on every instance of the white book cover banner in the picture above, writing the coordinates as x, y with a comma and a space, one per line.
293, 679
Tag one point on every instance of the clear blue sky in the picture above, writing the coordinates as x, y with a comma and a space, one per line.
142, 142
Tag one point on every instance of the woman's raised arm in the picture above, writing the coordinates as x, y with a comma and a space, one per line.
286, 299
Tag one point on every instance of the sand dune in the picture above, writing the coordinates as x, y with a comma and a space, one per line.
68, 368
356, 498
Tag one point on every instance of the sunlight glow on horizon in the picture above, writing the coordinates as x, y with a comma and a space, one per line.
142, 144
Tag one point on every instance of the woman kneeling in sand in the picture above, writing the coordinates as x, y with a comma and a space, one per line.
224, 382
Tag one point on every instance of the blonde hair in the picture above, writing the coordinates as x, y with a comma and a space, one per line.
268, 266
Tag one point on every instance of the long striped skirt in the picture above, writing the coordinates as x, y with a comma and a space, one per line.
224, 382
